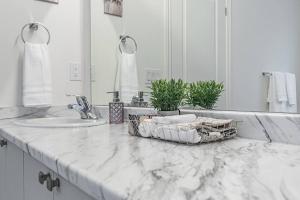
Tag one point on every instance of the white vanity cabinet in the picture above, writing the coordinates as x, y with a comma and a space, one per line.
67, 191
2, 170
34, 190
20, 178
11, 171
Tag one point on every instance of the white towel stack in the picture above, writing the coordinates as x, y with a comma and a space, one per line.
37, 84
282, 94
182, 128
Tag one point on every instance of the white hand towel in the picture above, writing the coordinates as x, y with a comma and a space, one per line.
274, 104
280, 84
127, 77
291, 88
37, 84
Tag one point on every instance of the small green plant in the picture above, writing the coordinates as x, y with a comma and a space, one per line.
168, 95
204, 93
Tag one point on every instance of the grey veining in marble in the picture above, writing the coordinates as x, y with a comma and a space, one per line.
107, 163
275, 127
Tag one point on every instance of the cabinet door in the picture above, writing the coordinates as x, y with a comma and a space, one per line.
33, 190
14, 172
67, 191
11, 173
2, 171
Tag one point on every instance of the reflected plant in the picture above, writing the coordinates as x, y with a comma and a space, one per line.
204, 93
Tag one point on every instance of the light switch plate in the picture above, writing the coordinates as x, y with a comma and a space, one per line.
93, 73
152, 74
74, 72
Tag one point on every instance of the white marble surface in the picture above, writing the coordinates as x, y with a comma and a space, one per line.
272, 127
107, 163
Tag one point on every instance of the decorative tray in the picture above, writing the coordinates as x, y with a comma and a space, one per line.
202, 130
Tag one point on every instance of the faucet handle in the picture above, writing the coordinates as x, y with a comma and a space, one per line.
85, 102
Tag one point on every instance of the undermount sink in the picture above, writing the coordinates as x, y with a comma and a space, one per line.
59, 122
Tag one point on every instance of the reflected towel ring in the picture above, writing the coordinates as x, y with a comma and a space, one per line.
34, 27
123, 39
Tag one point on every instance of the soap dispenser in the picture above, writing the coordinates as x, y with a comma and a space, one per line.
116, 109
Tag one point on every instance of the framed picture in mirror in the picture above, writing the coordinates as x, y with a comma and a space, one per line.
113, 7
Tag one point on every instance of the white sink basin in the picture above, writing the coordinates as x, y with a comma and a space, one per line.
59, 122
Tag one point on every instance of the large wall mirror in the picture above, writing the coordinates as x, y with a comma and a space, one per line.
251, 46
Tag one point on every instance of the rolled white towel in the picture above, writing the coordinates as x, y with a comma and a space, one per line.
146, 128
178, 134
175, 119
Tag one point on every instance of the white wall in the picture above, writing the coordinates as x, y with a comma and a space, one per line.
144, 20
198, 38
69, 25
265, 37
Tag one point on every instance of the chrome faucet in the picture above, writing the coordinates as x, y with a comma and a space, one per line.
84, 108
138, 101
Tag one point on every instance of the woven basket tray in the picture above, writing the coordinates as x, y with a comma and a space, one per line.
205, 133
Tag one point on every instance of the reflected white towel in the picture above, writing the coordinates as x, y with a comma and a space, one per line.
37, 84
291, 88
280, 86
127, 77
277, 95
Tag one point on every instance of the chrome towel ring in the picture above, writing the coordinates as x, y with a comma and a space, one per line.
34, 27
123, 39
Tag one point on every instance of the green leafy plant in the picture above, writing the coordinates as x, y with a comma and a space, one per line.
204, 93
168, 95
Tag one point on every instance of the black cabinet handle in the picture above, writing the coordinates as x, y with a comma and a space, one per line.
3, 143
51, 184
43, 177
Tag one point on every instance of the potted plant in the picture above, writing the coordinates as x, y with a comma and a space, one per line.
168, 95
204, 93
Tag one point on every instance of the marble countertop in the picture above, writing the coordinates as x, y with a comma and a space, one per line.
107, 163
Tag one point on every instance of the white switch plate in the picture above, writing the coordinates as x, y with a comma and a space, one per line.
93, 73
74, 72
152, 74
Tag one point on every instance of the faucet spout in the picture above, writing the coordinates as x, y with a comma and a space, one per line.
84, 108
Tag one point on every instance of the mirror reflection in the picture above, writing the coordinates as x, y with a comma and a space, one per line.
231, 54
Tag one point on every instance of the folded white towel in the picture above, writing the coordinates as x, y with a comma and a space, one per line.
280, 84
127, 77
37, 84
174, 132
176, 119
178, 134
291, 88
